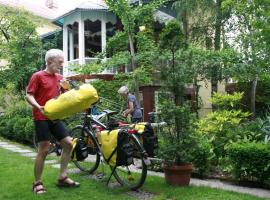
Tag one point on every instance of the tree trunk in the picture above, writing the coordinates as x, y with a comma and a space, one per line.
185, 25
253, 97
133, 65
218, 24
214, 80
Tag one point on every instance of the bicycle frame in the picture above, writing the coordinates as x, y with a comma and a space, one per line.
87, 129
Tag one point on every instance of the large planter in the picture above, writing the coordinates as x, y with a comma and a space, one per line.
178, 175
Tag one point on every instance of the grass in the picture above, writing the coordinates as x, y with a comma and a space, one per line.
16, 177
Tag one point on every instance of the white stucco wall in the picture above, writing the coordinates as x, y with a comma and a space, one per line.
205, 95
46, 28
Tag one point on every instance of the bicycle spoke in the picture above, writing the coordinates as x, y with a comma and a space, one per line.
132, 176
90, 164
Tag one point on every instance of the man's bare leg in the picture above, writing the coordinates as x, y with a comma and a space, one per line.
66, 144
43, 148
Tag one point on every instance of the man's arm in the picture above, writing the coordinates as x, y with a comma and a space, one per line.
129, 110
32, 101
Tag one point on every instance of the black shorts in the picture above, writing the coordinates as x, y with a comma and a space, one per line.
44, 129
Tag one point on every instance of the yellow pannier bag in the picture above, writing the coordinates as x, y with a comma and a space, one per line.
71, 102
108, 141
139, 127
147, 136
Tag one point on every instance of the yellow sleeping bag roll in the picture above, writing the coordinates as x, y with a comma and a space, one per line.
71, 102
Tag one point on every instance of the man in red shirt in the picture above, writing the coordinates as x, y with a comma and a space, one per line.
43, 86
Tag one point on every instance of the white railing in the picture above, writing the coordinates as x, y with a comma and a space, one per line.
69, 70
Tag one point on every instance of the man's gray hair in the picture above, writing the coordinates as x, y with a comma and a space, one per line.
123, 90
53, 53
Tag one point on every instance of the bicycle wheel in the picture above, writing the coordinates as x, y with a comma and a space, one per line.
53, 144
133, 176
90, 164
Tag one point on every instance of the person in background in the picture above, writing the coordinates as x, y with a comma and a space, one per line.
43, 86
133, 108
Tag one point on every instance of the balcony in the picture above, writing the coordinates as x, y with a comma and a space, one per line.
70, 69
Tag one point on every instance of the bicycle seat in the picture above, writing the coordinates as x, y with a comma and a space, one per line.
110, 112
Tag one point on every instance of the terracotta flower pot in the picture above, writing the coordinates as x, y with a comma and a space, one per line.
178, 175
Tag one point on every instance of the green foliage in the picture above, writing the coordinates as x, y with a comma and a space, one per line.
143, 50
251, 22
264, 125
17, 123
56, 42
250, 161
262, 95
19, 45
119, 42
226, 101
92, 68
175, 74
172, 37
223, 127
196, 16
108, 89
119, 59
201, 155
177, 140
129, 13
147, 50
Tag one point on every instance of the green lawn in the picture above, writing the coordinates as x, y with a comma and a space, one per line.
16, 177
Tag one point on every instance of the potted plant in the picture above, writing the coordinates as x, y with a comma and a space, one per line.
177, 142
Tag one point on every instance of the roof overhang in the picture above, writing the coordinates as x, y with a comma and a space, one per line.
85, 6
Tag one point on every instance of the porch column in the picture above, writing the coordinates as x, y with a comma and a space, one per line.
81, 42
71, 46
65, 50
103, 35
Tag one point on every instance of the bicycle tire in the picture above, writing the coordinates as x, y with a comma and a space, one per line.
91, 163
134, 175
53, 145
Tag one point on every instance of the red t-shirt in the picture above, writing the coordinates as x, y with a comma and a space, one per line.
43, 86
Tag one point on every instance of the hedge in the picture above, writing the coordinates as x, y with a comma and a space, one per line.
250, 161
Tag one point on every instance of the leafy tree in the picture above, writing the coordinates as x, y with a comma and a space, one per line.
19, 45
196, 16
54, 42
203, 23
251, 19
131, 17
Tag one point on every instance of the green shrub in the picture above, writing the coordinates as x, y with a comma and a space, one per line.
250, 161
17, 123
221, 128
227, 101
201, 156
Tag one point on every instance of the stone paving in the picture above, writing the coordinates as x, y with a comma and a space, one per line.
140, 194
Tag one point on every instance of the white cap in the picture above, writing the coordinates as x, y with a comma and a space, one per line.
123, 90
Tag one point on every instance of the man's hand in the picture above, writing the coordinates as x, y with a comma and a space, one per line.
65, 84
41, 109
124, 114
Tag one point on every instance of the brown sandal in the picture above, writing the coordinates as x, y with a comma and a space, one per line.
41, 190
63, 183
